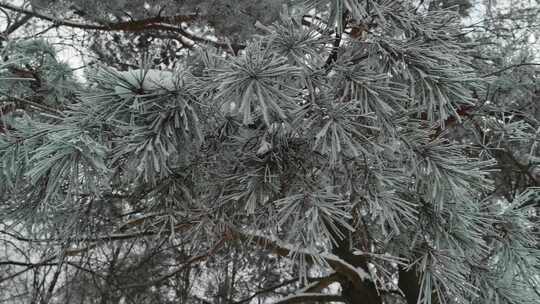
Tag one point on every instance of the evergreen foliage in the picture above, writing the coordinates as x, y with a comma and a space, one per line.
295, 145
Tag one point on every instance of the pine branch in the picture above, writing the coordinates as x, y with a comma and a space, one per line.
505, 157
334, 53
128, 26
335, 45
34, 104
165, 23
321, 283
311, 297
354, 275
53, 19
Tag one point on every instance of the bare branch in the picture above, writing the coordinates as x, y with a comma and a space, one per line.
510, 67
16, 25
266, 290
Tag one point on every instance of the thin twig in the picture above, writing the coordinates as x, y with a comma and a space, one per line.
510, 67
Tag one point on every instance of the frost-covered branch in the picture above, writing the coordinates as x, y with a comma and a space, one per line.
316, 297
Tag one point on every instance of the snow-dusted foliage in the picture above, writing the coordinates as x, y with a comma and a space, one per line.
300, 149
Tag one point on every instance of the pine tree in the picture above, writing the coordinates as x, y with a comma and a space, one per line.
291, 152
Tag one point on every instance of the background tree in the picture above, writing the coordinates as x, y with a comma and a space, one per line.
245, 151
